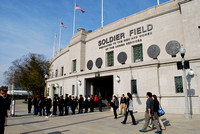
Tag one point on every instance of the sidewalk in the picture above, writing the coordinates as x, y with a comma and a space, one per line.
93, 123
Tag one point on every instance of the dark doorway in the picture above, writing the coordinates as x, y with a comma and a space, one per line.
101, 86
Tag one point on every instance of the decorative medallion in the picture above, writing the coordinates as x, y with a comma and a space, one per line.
99, 62
153, 51
172, 47
89, 64
122, 57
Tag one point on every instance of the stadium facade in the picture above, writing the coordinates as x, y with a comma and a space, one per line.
135, 54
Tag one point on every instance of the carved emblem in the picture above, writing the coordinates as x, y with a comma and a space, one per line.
153, 51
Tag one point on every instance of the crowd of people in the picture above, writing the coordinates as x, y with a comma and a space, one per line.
61, 106
151, 113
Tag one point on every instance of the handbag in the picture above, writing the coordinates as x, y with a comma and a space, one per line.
161, 112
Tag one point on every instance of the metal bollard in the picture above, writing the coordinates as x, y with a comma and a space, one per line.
13, 108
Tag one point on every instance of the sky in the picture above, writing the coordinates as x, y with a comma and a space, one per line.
29, 26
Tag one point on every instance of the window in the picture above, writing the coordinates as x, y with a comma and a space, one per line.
56, 73
52, 75
62, 71
134, 86
73, 89
60, 91
179, 84
74, 65
137, 53
110, 59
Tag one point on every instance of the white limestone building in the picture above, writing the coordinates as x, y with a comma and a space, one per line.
116, 58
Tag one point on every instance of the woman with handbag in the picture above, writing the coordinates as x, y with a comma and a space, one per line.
156, 108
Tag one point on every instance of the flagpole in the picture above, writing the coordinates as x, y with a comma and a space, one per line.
158, 2
74, 17
54, 46
101, 13
59, 35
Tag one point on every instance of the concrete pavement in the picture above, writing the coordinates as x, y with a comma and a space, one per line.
93, 123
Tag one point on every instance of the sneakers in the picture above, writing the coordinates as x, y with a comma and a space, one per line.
142, 131
158, 132
123, 122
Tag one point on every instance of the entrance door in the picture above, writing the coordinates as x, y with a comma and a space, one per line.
101, 86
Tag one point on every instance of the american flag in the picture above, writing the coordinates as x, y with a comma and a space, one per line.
78, 8
62, 25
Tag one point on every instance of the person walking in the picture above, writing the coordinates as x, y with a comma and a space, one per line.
66, 102
129, 109
73, 105
156, 108
48, 106
3, 110
55, 104
80, 102
29, 104
35, 104
61, 105
96, 99
115, 106
86, 104
91, 103
41, 105
149, 114
122, 104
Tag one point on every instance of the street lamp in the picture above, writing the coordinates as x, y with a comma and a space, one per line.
118, 79
187, 114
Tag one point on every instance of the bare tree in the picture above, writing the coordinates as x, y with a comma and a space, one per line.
28, 73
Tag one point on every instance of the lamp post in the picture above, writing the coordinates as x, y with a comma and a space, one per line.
187, 114
45, 89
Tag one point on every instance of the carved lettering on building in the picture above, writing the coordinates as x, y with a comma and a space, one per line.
134, 36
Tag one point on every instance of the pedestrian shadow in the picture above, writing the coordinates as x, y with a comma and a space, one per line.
140, 120
166, 122
71, 124
58, 132
25, 123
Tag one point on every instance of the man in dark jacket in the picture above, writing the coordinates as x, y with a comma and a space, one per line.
55, 104
80, 102
29, 104
66, 102
35, 104
61, 105
149, 114
73, 104
86, 104
48, 106
92, 103
42, 105
3, 109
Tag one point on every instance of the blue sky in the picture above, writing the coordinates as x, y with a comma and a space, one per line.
29, 26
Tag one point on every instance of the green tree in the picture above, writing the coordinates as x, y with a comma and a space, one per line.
28, 73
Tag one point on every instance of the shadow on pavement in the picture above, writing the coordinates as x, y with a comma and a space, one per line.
85, 121
58, 132
25, 123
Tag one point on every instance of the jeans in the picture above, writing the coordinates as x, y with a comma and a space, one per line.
133, 118
147, 119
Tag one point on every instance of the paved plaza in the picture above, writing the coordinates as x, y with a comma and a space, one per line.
93, 123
